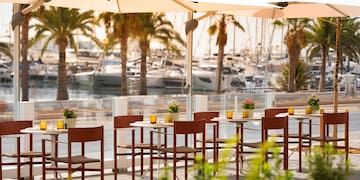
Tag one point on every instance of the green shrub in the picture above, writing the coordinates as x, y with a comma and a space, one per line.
323, 164
261, 170
206, 171
302, 75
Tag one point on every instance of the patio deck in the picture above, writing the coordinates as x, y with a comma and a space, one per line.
230, 170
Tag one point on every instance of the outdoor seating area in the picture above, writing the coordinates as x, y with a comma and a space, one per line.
179, 89
143, 146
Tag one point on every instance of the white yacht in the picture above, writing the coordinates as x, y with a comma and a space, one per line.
174, 77
108, 74
204, 78
85, 78
155, 77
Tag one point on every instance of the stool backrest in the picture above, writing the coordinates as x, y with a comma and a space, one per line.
336, 118
189, 127
13, 127
125, 121
86, 134
206, 116
272, 112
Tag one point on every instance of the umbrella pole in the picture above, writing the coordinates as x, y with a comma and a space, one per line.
189, 48
337, 62
16, 61
336, 69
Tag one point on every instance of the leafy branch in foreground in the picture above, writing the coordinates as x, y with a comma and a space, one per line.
323, 164
204, 170
259, 169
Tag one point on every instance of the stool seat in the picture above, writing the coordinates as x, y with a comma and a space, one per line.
79, 159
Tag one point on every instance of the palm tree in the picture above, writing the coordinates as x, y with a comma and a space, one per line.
4, 49
123, 28
221, 40
302, 75
24, 51
350, 38
154, 26
295, 40
60, 25
321, 36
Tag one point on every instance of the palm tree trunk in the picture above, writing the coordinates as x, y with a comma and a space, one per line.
219, 69
338, 58
62, 93
221, 43
123, 42
293, 59
323, 69
143, 71
24, 51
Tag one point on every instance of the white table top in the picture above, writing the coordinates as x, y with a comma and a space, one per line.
49, 131
299, 115
147, 124
237, 119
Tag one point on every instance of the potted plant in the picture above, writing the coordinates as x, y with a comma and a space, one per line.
249, 106
70, 117
313, 102
173, 109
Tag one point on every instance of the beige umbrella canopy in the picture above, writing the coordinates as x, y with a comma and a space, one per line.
305, 9
138, 6
132, 6
310, 9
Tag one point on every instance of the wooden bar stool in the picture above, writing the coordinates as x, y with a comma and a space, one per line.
335, 119
180, 151
11, 130
123, 123
215, 140
79, 136
273, 123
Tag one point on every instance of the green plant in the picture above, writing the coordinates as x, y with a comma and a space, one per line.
302, 76
165, 173
323, 164
313, 101
69, 113
259, 169
173, 106
248, 103
206, 171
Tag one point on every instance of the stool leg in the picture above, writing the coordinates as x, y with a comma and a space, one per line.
18, 159
133, 154
300, 145
31, 168
115, 155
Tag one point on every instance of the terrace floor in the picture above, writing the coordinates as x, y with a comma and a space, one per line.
230, 170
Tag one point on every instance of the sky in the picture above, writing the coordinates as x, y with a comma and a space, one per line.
241, 40
6, 11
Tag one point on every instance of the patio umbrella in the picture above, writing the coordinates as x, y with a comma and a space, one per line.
139, 6
135, 6
310, 9
305, 9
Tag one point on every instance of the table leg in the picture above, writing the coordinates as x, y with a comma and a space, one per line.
54, 152
322, 130
241, 147
237, 152
158, 146
300, 145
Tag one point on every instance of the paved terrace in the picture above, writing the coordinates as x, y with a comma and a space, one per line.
230, 170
